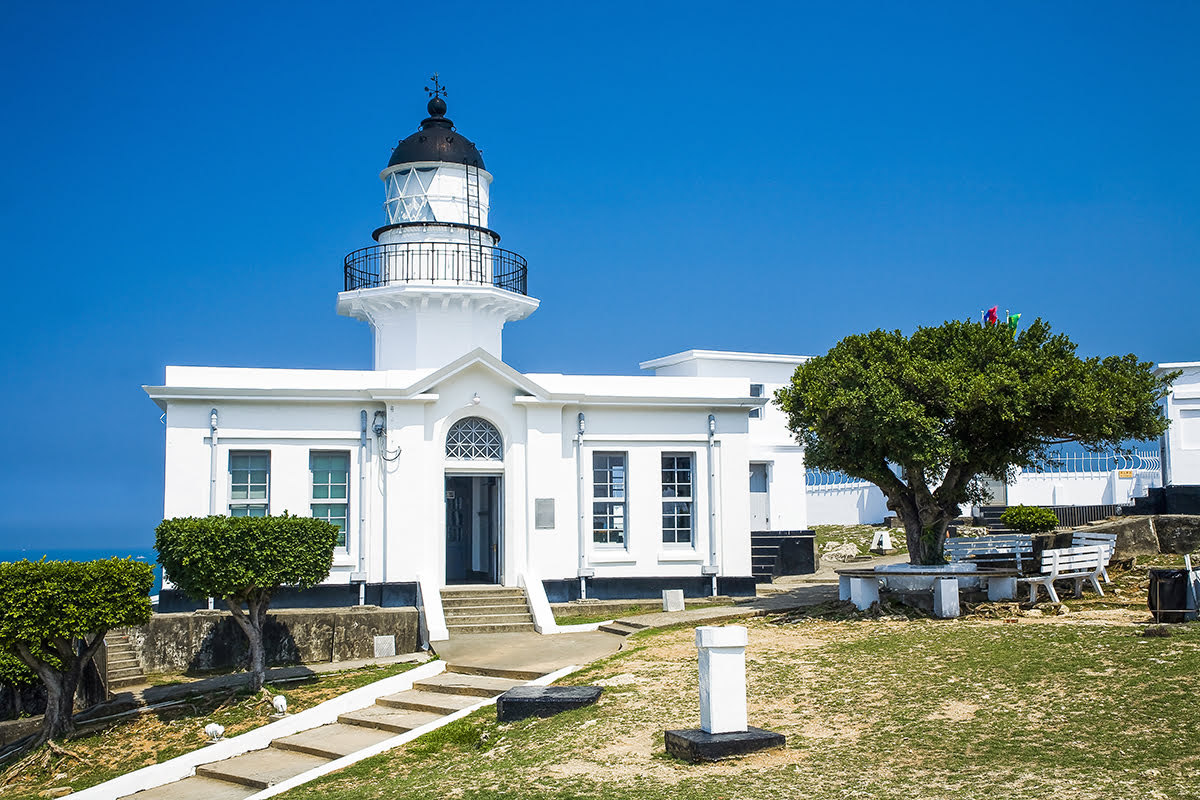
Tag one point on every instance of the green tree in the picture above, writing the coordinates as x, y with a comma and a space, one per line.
244, 561
54, 615
923, 416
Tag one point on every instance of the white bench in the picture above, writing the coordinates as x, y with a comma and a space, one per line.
999, 551
1091, 539
1068, 563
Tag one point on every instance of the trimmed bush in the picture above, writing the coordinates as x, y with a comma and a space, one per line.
53, 618
243, 561
1029, 519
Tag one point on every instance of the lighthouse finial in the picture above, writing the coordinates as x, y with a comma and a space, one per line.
438, 89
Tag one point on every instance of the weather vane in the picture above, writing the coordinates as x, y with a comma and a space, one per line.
438, 90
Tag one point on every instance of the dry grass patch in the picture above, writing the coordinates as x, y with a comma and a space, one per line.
894, 708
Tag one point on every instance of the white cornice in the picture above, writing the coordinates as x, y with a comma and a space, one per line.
721, 355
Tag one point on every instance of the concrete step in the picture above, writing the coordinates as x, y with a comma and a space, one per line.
473, 685
393, 720
517, 596
261, 768
125, 672
198, 788
515, 674
494, 628
483, 602
620, 628
332, 741
520, 617
125, 683
430, 702
124, 663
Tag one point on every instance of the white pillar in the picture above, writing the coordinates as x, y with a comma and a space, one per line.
945, 598
722, 678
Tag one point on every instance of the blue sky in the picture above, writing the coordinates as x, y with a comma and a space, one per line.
182, 181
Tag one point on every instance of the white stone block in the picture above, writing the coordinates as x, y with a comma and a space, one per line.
864, 592
945, 598
1002, 589
385, 646
722, 678
843, 587
672, 599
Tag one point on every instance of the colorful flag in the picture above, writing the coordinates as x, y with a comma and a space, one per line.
1013, 319
990, 317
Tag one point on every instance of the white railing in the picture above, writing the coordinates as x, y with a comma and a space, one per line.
819, 479
1139, 461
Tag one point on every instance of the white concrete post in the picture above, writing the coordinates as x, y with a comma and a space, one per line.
945, 598
722, 678
672, 599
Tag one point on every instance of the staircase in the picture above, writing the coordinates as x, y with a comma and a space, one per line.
428, 700
123, 667
764, 552
991, 519
486, 609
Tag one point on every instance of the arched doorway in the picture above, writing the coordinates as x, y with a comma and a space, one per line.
474, 502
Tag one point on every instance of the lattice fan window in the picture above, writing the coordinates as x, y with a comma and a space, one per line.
474, 439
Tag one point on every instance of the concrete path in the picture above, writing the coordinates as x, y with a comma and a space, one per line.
776, 603
524, 654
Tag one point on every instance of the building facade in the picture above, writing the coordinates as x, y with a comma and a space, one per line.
444, 465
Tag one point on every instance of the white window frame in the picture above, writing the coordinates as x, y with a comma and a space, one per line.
757, 390
678, 499
608, 498
248, 502
330, 501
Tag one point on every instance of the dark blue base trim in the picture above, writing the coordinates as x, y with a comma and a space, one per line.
384, 595
564, 590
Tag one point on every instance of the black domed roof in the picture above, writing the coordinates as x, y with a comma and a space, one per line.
437, 141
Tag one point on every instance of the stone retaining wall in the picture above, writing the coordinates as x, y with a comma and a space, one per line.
207, 640
1151, 535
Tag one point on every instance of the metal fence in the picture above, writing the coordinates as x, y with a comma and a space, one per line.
1139, 460
436, 262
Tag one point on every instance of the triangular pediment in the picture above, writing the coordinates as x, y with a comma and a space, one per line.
477, 359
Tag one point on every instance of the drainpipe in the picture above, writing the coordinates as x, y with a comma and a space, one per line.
712, 568
585, 571
212, 465
212, 477
362, 509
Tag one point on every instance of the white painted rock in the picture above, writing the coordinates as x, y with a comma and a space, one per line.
214, 732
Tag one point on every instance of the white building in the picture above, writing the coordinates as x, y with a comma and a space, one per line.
444, 465
1181, 442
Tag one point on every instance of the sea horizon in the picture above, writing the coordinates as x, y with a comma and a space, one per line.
147, 554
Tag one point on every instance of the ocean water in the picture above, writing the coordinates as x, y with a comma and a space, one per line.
56, 554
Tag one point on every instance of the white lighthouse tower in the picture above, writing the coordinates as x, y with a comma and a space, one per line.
436, 286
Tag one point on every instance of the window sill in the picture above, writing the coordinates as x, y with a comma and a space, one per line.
611, 557
344, 560
680, 557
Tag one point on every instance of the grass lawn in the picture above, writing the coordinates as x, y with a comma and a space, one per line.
159, 735
564, 617
1074, 706
858, 535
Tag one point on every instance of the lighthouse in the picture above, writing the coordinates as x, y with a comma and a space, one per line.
437, 285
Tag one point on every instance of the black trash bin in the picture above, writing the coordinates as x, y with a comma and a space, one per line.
1168, 594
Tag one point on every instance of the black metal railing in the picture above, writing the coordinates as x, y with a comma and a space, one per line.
465, 263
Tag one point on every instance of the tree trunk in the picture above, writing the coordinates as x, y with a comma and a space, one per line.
60, 706
252, 625
926, 542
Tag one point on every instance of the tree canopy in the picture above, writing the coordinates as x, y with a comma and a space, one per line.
244, 561
54, 615
923, 416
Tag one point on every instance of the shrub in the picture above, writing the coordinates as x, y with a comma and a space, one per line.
243, 561
1029, 519
53, 618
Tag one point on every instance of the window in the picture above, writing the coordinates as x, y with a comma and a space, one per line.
330, 479
249, 476
677, 499
608, 498
474, 439
756, 390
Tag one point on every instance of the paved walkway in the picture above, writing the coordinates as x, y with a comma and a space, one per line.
775, 603
526, 652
